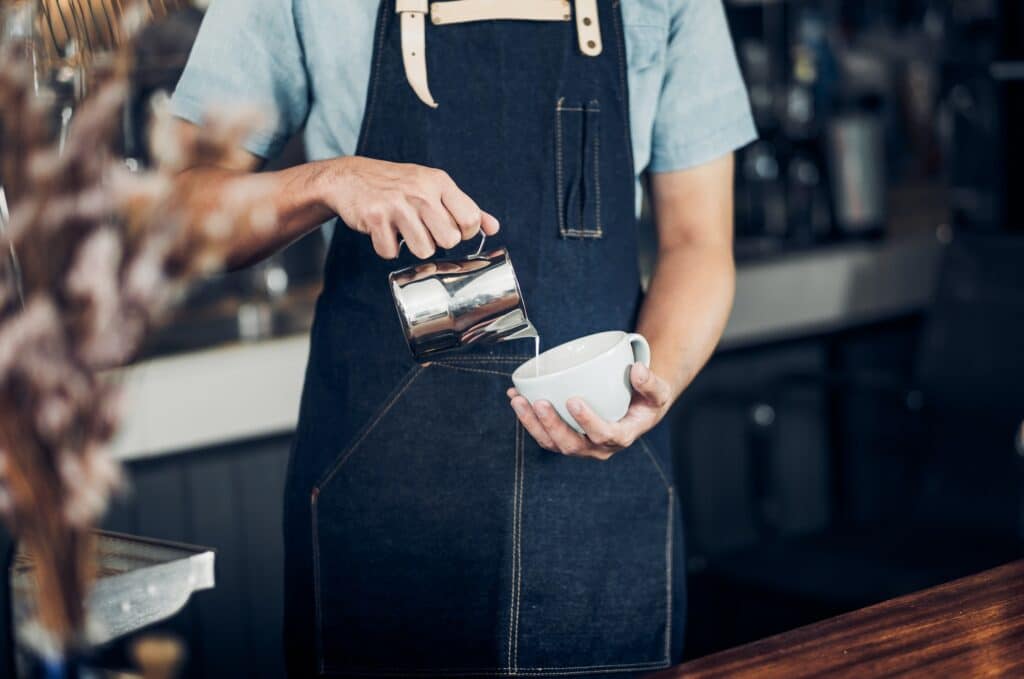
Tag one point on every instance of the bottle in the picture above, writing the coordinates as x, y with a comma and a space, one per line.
20, 37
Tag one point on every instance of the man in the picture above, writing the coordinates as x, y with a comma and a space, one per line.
429, 531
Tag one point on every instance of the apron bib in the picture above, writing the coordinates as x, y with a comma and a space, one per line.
426, 533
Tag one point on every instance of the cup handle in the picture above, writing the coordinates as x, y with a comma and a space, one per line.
641, 349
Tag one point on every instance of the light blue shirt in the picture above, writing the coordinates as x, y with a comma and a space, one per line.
307, 62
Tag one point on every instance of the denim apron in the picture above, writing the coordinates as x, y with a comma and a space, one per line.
426, 532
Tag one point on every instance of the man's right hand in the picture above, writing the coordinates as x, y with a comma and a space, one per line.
386, 201
391, 201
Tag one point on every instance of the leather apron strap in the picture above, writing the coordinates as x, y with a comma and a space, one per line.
462, 11
413, 15
588, 28
414, 47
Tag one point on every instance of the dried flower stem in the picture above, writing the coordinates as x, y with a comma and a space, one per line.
103, 253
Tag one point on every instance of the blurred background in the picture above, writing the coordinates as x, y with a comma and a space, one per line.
857, 436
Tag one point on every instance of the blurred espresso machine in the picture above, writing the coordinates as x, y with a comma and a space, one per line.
985, 100
875, 115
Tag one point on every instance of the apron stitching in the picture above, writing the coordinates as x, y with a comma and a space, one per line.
520, 464
597, 170
376, 77
668, 577
408, 380
558, 166
482, 359
598, 669
315, 496
582, 233
472, 370
654, 461
504, 672
316, 581
514, 660
513, 629
515, 506
620, 44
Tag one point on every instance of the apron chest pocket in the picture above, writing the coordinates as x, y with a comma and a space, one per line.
577, 169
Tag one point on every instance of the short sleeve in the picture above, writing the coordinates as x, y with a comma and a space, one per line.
703, 111
248, 53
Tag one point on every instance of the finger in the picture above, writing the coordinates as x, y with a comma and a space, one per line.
512, 392
464, 211
489, 223
415, 233
441, 225
649, 385
528, 418
564, 436
599, 431
385, 242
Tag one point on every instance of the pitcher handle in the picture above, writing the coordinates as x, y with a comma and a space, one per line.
480, 248
483, 239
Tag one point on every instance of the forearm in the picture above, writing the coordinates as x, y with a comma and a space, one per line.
388, 202
292, 199
687, 305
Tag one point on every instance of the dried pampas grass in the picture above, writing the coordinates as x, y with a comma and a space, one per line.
102, 256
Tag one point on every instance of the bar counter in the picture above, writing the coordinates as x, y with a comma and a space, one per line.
973, 627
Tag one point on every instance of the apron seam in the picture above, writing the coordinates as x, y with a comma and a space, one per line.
583, 233
407, 381
591, 668
504, 671
482, 359
668, 575
654, 461
519, 551
559, 173
482, 371
512, 578
620, 47
372, 93
389, 403
517, 561
597, 169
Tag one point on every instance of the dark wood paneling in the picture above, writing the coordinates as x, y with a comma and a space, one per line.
228, 498
261, 488
217, 521
161, 500
713, 454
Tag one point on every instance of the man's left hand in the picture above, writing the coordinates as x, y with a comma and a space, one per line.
652, 397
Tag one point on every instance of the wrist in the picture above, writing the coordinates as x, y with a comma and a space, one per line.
326, 179
335, 181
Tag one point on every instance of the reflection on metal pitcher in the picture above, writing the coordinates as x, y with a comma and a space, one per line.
449, 304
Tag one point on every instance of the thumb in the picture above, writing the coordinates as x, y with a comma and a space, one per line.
649, 385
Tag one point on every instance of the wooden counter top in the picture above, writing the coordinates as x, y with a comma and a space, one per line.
972, 627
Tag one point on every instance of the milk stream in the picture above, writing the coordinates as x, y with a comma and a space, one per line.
531, 331
536, 355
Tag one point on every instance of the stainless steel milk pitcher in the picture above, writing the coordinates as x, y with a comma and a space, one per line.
449, 304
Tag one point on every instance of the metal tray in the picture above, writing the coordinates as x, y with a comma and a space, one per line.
140, 582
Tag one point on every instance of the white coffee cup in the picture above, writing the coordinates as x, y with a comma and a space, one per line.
594, 368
